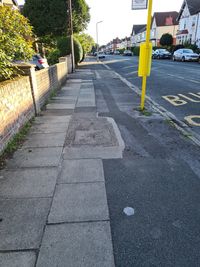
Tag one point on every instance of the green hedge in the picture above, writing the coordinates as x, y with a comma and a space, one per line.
136, 50
64, 46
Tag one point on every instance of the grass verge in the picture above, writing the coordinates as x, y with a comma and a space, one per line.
15, 143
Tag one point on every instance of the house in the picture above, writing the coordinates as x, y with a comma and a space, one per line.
189, 23
164, 22
10, 3
138, 34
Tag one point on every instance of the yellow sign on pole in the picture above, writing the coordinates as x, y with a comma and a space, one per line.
145, 60
145, 56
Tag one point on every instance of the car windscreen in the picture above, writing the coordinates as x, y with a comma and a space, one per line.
187, 51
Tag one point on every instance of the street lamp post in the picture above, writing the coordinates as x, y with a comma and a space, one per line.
97, 35
71, 33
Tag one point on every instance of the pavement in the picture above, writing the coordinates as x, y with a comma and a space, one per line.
98, 183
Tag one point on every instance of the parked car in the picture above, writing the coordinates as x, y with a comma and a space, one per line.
185, 55
39, 62
161, 54
127, 53
101, 55
116, 52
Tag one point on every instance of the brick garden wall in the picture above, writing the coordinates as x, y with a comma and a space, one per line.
16, 100
16, 107
50, 79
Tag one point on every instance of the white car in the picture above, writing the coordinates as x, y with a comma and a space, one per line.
101, 55
185, 55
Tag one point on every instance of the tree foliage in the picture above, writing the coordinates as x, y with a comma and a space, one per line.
166, 39
50, 17
15, 40
86, 41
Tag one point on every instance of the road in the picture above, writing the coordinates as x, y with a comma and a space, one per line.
173, 85
158, 176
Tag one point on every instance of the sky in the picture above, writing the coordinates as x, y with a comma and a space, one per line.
118, 18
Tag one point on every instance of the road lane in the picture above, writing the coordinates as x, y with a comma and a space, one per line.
173, 85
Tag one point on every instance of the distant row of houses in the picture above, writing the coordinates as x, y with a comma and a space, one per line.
183, 26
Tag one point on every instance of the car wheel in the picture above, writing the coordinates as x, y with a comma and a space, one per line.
174, 59
183, 59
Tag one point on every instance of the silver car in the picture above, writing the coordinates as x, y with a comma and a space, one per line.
185, 55
39, 62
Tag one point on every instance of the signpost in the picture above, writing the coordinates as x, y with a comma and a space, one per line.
145, 48
139, 4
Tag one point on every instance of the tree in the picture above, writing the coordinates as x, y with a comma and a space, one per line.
49, 17
166, 39
15, 40
86, 41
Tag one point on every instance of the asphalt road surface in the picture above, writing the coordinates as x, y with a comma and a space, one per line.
158, 178
173, 85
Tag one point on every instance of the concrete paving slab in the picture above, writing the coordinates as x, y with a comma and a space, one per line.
73, 81
35, 157
27, 183
17, 259
63, 101
79, 202
52, 119
49, 127
88, 152
22, 223
80, 171
65, 98
60, 106
45, 140
85, 103
58, 112
77, 245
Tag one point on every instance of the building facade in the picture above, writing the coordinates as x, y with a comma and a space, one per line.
162, 23
189, 23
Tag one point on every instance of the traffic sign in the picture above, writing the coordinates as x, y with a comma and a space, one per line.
139, 4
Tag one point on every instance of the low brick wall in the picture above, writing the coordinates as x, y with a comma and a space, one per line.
50, 79
16, 107
22, 98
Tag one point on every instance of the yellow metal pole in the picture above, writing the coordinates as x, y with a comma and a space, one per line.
148, 33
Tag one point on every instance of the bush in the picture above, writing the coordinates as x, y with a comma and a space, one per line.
176, 47
166, 39
15, 40
121, 50
136, 50
64, 46
53, 56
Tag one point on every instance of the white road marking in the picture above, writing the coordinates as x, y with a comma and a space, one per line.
180, 77
129, 211
191, 120
97, 74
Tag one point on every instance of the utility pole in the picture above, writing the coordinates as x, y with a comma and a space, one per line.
69, 3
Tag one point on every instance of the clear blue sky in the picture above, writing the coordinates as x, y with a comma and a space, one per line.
118, 17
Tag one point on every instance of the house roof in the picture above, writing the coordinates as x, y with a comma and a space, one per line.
193, 6
161, 18
138, 28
